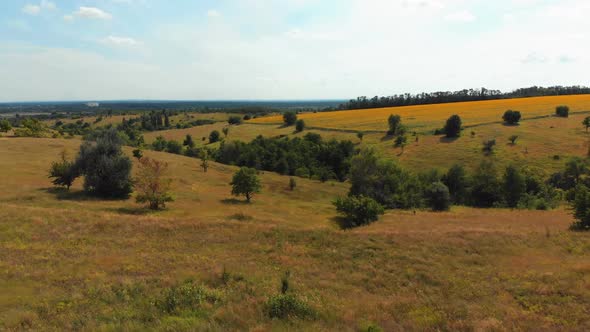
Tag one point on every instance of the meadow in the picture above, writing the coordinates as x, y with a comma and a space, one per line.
71, 262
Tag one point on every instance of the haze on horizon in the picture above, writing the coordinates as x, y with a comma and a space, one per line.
285, 49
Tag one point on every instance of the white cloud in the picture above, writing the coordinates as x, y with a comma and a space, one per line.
463, 16
120, 41
31, 9
213, 13
93, 13
68, 18
45, 4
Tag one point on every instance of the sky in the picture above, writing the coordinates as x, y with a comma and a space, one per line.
286, 49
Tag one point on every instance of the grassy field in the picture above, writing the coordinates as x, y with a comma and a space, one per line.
426, 118
69, 262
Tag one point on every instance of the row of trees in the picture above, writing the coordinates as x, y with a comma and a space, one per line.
458, 96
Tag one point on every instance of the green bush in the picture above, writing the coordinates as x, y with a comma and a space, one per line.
511, 117
299, 126
359, 210
186, 297
289, 306
438, 196
453, 126
562, 111
290, 118
581, 207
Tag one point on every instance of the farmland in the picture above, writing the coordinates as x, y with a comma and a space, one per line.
69, 261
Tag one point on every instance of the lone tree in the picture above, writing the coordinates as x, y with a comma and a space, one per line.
225, 131
205, 160
151, 183
5, 126
395, 125
562, 111
581, 207
360, 135
245, 182
106, 170
439, 197
214, 136
488, 146
188, 141
453, 126
401, 141
290, 118
513, 139
358, 210
63, 172
299, 126
586, 123
235, 120
511, 117
292, 184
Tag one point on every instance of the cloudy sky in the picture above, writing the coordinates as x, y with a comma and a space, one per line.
286, 49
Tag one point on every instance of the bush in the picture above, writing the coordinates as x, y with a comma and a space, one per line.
289, 306
234, 120
31, 128
457, 182
513, 139
453, 126
299, 126
151, 185
395, 125
245, 182
292, 184
214, 136
562, 111
188, 141
174, 147
511, 117
185, 297
514, 186
5, 125
488, 146
247, 117
106, 170
486, 190
438, 197
586, 123
159, 144
63, 172
290, 118
137, 153
359, 210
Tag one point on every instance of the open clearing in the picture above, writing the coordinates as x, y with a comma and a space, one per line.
71, 262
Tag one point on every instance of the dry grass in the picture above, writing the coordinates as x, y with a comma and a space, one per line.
424, 118
71, 262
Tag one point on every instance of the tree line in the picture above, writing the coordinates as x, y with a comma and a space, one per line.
408, 99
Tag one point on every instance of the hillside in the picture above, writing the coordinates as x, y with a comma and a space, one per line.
71, 262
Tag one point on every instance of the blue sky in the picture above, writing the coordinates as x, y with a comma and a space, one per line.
285, 49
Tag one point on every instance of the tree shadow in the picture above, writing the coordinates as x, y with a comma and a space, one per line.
447, 140
341, 222
64, 194
134, 211
233, 201
387, 138
506, 124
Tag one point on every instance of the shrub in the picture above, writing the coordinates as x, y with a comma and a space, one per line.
488, 146
245, 182
188, 141
511, 117
486, 188
360, 135
151, 183
234, 120
514, 186
289, 118
214, 136
106, 170
299, 126
358, 210
174, 147
562, 111
31, 128
586, 123
159, 144
513, 139
581, 207
63, 172
292, 184
453, 126
247, 117
5, 125
289, 306
395, 125
185, 297
438, 197
401, 141
205, 160
137, 153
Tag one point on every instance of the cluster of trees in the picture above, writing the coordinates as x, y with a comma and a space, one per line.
458, 96
5, 126
309, 157
80, 127
375, 180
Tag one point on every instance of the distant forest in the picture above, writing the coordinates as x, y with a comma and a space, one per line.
441, 97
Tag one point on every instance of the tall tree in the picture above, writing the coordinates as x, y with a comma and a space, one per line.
453, 126
151, 183
246, 182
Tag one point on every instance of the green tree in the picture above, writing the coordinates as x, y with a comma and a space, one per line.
439, 197
401, 141
562, 111
581, 207
488, 146
586, 123
174, 147
235, 120
245, 182
151, 183
395, 125
360, 135
290, 118
106, 170
225, 131
205, 160
486, 189
160, 144
513, 139
5, 126
453, 126
137, 153
188, 141
292, 184
215, 136
30, 127
63, 172
511, 117
358, 210
299, 126
458, 183
514, 186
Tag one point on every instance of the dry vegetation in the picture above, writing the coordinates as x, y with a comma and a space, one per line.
71, 262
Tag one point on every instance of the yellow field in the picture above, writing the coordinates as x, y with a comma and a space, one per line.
423, 118
70, 262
